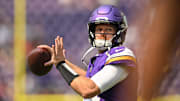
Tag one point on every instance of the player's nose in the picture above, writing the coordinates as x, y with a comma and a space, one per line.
102, 31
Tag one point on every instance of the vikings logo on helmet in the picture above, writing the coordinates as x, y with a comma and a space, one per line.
100, 19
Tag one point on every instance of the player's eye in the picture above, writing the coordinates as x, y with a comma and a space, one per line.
108, 30
98, 29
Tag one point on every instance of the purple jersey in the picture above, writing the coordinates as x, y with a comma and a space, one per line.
117, 55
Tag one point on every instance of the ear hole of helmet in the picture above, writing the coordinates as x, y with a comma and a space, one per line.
118, 38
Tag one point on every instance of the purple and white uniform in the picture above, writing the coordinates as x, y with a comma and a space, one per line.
124, 90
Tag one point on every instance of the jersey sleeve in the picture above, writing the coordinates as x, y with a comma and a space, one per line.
121, 56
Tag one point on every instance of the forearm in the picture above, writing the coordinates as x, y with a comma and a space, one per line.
85, 87
76, 68
90, 87
81, 84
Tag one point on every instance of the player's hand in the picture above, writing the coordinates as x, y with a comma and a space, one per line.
58, 50
52, 55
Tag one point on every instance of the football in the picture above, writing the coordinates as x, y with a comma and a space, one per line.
36, 59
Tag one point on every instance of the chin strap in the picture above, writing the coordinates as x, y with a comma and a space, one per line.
85, 54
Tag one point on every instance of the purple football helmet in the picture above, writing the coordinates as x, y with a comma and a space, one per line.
108, 14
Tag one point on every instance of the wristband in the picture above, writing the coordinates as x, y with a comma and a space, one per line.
68, 74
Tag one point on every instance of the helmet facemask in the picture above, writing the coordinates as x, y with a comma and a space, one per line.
102, 44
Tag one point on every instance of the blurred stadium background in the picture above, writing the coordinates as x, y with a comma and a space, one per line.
24, 24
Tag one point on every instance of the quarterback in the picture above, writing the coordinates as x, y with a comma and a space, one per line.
112, 73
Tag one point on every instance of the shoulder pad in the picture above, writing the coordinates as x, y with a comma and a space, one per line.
120, 55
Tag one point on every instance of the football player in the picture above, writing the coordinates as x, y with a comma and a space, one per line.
111, 74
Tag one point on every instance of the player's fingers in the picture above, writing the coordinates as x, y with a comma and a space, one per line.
42, 46
64, 53
48, 63
46, 47
61, 42
58, 37
54, 52
56, 46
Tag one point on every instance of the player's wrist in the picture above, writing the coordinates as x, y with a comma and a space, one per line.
59, 62
68, 74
